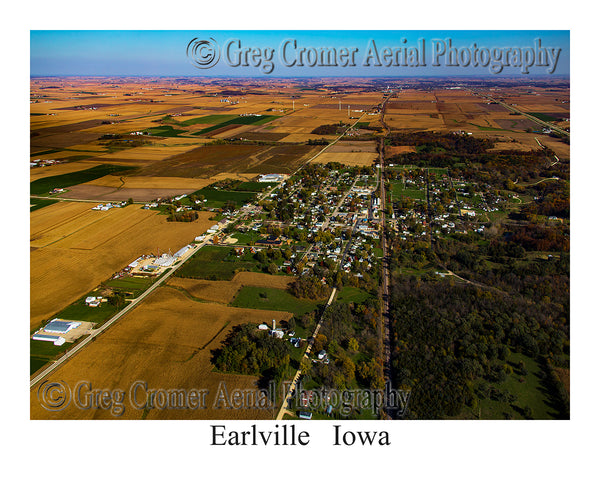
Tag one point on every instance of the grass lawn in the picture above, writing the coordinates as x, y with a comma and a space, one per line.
416, 193
272, 299
246, 238
45, 185
351, 294
80, 311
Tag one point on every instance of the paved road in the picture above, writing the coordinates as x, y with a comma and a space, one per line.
283, 410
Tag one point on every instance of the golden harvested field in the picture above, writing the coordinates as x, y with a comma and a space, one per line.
91, 248
407, 106
350, 146
415, 121
233, 176
218, 291
353, 159
398, 149
295, 130
166, 342
45, 222
64, 225
262, 280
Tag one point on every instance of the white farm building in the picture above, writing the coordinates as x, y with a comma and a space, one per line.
271, 178
49, 338
60, 326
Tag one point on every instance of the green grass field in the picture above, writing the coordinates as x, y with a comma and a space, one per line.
415, 193
532, 392
210, 119
272, 299
43, 186
215, 263
351, 294
237, 120
164, 131
544, 117
253, 186
80, 311
40, 353
205, 120
37, 203
130, 283
218, 198
247, 238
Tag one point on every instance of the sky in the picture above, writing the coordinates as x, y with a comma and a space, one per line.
163, 53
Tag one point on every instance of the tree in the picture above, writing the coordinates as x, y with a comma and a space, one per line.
117, 299
272, 268
261, 256
320, 343
129, 201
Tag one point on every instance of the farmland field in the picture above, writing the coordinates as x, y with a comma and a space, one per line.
209, 160
78, 248
60, 169
225, 291
174, 332
354, 159
214, 263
